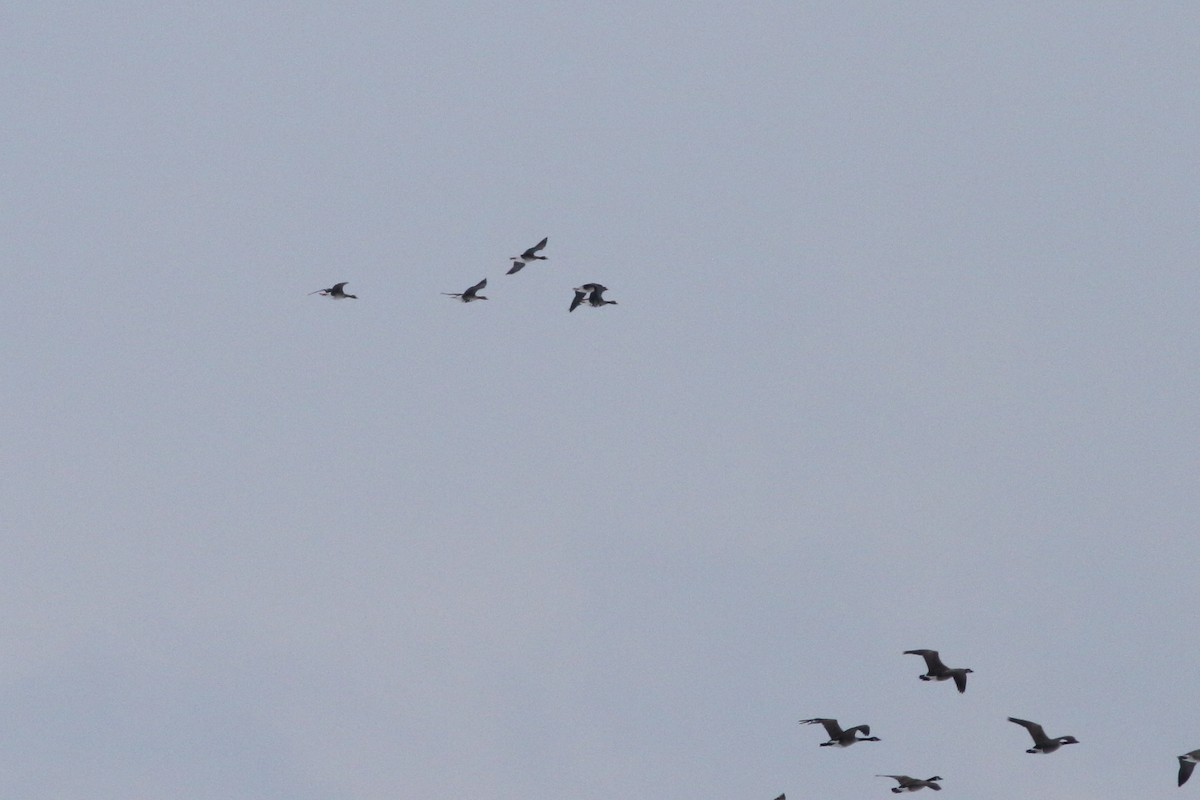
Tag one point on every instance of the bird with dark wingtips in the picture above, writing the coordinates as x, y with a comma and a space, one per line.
337, 292
935, 670
839, 737
529, 255
591, 294
1187, 763
908, 784
470, 295
1041, 742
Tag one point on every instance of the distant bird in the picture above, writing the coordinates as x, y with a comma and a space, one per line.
529, 255
1187, 763
935, 670
839, 737
908, 784
1041, 742
470, 294
335, 291
592, 294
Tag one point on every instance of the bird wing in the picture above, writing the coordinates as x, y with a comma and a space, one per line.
597, 294
904, 779
578, 299
960, 680
1185, 770
932, 661
866, 730
516, 267
531, 251
318, 291
471, 292
831, 725
337, 287
452, 294
1036, 731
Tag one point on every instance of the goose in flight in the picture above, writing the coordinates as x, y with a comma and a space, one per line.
336, 291
839, 737
529, 255
935, 670
1187, 763
470, 294
908, 784
592, 294
1041, 742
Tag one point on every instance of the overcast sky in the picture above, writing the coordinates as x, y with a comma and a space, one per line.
904, 356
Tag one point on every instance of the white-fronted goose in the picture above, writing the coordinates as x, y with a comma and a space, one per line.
908, 784
1187, 763
529, 255
935, 670
1041, 742
839, 737
592, 294
337, 292
470, 294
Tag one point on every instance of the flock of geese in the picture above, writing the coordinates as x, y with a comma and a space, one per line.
936, 670
591, 294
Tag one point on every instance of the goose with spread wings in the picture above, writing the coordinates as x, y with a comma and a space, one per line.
337, 292
471, 294
839, 737
592, 294
935, 670
1041, 742
908, 784
529, 255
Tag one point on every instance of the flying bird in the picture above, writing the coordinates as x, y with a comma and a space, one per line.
1041, 742
470, 294
336, 292
839, 737
935, 670
908, 784
529, 255
1187, 763
592, 294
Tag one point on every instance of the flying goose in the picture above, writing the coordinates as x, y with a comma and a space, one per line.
469, 294
336, 292
935, 670
1187, 763
1041, 742
529, 255
839, 737
908, 784
593, 293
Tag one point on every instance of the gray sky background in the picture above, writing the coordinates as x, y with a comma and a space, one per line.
905, 356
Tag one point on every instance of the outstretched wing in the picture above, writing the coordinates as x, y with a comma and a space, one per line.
831, 725
1185, 770
960, 680
932, 662
471, 292
516, 267
578, 299
1036, 731
337, 288
533, 250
